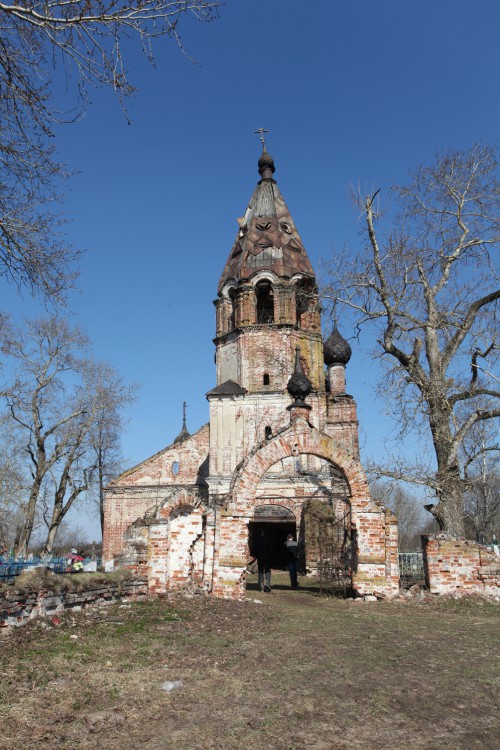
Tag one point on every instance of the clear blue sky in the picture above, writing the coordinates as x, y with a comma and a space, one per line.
350, 91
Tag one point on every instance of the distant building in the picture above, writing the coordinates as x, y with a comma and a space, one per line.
280, 452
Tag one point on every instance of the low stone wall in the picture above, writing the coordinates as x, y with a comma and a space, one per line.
457, 566
19, 606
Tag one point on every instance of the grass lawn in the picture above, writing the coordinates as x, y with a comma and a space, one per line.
295, 671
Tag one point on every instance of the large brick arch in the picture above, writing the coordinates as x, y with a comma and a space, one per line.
176, 499
299, 438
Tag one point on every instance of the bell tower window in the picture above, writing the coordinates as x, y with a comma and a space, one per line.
305, 298
232, 314
265, 302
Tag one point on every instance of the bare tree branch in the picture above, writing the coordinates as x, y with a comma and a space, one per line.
86, 38
428, 286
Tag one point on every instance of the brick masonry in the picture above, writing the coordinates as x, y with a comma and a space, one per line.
183, 516
18, 607
457, 566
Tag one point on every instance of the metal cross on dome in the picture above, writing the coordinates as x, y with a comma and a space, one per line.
261, 132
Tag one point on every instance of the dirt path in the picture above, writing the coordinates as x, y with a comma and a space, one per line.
293, 672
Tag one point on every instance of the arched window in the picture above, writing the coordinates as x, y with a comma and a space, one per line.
232, 314
305, 297
265, 379
175, 468
268, 432
265, 302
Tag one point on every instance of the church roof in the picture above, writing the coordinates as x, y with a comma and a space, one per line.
229, 388
267, 238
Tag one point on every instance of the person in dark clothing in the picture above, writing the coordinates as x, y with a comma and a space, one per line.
291, 560
263, 550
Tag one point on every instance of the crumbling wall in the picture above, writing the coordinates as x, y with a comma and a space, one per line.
457, 566
374, 542
186, 527
135, 550
18, 606
138, 490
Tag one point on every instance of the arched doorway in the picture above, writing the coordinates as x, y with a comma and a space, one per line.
276, 522
373, 529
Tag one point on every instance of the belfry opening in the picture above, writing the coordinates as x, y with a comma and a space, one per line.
281, 442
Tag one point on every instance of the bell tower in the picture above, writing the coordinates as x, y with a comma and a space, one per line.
267, 308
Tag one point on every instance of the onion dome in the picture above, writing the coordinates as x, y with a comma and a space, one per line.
299, 386
183, 434
266, 165
337, 350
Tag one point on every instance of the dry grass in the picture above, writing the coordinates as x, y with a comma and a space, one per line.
294, 672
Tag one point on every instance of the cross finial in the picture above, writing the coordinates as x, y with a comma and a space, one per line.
184, 413
261, 132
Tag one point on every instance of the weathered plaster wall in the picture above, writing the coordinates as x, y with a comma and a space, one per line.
245, 357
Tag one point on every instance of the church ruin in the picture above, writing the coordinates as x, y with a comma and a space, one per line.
280, 451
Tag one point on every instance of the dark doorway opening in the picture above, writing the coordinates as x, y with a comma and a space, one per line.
276, 532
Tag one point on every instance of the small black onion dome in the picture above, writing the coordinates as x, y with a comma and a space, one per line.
184, 433
266, 162
299, 386
337, 350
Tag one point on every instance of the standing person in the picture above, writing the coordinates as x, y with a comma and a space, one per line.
291, 560
263, 551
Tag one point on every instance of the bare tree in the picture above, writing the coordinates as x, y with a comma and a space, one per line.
86, 39
104, 458
108, 456
43, 355
408, 510
13, 482
482, 476
427, 286
58, 396
93, 448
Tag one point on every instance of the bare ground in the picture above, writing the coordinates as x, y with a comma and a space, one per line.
296, 671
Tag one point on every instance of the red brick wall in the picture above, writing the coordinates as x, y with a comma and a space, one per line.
457, 566
376, 567
148, 484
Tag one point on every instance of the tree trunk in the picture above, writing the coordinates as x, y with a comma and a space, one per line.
101, 489
60, 508
51, 537
24, 533
449, 511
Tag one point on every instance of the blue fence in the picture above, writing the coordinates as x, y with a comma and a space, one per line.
10, 567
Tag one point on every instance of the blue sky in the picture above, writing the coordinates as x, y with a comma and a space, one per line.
350, 92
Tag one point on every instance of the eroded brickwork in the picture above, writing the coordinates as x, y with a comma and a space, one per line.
185, 515
375, 566
158, 481
457, 566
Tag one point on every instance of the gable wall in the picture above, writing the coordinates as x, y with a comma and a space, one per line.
145, 486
